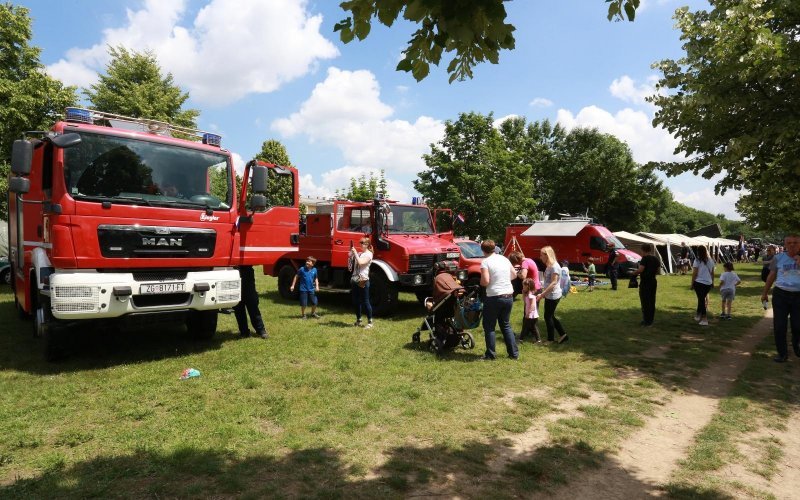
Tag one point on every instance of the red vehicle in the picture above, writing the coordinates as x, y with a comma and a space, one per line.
406, 246
112, 217
574, 240
471, 259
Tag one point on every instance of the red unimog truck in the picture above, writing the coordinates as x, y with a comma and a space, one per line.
113, 218
405, 241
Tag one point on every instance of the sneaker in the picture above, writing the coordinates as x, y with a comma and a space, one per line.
485, 358
703, 322
697, 317
315, 315
357, 323
368, 325
303, 316
780, 359
244, 335
563, 338
263, 334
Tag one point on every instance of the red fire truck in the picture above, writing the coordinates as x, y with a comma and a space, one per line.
112, 217
404, 238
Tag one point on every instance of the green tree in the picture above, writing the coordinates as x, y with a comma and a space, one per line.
363, 189
30, 99
472, 172
279, 187
732, 102
134, 86
475, 30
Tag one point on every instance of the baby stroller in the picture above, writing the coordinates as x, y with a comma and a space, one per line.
448, 320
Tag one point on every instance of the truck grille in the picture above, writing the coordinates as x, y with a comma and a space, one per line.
166, 299
421, 262
155, 241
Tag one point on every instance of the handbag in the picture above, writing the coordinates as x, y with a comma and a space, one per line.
634, 282
358, 280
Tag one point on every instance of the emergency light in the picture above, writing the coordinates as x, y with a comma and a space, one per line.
79, 115
212, 139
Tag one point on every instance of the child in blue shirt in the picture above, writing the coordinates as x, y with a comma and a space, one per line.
309, 286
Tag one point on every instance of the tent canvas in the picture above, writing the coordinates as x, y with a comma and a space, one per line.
635, 242
555, 228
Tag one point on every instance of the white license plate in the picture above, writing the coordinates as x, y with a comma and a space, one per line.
156, 288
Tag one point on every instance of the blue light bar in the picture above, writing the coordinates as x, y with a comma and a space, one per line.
79, 115
212, 139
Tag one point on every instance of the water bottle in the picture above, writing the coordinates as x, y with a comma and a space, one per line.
765, 303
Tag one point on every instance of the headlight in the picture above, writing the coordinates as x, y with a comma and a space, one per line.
631, 258
418, 279
462, 275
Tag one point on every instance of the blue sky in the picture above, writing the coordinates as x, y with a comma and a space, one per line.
274, 69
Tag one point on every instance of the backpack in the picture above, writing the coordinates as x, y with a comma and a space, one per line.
564, 283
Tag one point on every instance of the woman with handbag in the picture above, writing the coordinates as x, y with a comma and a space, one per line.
359, 281
647, 271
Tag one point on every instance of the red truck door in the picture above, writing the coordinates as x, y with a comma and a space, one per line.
263, 236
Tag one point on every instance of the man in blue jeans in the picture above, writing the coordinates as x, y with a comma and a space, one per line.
496, 275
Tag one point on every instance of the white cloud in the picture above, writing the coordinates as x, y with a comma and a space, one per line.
340, 179
345, 111
541, 102
238, 163
706, 200
499, 121
626, 89
232, 49
647, 143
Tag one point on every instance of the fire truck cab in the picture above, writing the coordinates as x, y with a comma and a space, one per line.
112, 217
405, 243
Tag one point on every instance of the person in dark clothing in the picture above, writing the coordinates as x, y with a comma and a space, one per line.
249, 305
648, 269
612, 268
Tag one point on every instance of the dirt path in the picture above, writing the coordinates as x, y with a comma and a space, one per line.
647, 458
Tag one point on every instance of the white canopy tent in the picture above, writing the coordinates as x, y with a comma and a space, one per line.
634, 242
673, 240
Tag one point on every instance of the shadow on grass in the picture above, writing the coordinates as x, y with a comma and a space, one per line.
98, 345
408, 471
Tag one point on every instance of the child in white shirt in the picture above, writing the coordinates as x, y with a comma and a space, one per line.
727, 289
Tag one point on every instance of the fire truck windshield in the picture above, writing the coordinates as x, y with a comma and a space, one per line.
123, 170
410, 220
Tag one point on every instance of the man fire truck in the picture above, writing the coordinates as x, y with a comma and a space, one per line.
404, 238
113, 217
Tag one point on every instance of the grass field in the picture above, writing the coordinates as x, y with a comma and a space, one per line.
323, 409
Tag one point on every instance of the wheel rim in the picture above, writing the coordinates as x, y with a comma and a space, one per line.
41, 326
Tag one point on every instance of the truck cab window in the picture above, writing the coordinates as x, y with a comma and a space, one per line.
598, 243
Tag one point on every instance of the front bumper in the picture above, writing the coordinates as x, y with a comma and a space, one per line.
91, 295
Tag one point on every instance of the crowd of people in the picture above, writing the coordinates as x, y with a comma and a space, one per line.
780, 272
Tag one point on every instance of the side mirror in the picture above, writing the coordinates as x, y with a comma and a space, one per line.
66, 140
258, 203
19, 185
259, 182
21, 157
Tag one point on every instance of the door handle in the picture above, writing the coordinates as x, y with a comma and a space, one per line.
338, 242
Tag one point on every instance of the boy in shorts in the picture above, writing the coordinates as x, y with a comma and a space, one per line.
309, 286
727, 289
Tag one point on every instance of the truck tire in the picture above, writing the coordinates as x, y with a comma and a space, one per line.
382, 294
49, 329
5, 277
285, 277
202, 325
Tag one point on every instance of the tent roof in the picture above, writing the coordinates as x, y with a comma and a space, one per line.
555, 228
674, 239
624, 235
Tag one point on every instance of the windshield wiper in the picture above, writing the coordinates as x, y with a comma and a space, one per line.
125, 200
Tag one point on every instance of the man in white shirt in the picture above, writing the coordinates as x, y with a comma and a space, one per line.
496, 275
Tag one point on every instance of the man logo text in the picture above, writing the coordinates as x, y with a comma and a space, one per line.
162, 242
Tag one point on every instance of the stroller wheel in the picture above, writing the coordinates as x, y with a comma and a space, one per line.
467, 341
434, 346
415, 337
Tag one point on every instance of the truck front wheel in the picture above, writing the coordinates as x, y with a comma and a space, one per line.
285, 277
202, 325
49, 329
382, 294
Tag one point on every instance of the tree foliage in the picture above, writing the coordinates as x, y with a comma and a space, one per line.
279, 187
134, 86
474, 30
473, 173
733, 102
365, 189
31, 100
